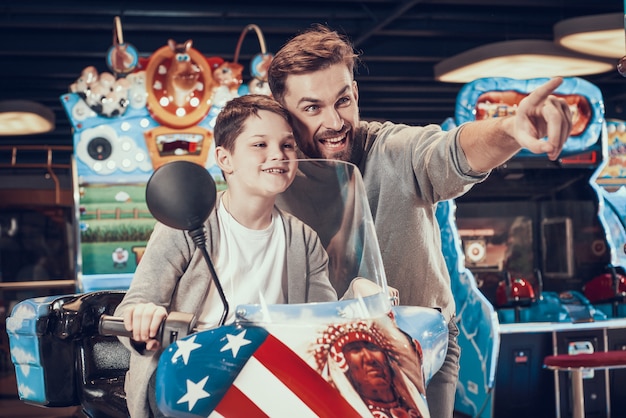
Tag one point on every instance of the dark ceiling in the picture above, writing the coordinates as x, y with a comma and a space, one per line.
44, 45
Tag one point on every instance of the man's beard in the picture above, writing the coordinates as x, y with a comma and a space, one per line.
343, 155
350, 153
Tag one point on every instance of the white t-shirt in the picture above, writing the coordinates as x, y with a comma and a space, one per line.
250, 265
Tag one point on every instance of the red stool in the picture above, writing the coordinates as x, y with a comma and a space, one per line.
577, 363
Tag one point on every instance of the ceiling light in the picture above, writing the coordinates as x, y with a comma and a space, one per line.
522, 59
600, 35
24, 117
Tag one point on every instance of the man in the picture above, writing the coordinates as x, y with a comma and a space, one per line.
406, 170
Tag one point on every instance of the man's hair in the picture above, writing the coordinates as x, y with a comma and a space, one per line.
317, 48
231, 120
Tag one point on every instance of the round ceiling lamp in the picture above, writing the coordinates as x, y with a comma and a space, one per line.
25, 117
600, 35
521, 59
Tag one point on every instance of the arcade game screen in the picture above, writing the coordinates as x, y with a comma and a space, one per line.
506, 238
494, 246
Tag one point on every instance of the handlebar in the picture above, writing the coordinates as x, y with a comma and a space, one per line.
113, 325
176, 325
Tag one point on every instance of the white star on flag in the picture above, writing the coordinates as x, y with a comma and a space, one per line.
235, 342
185, 347
195, 392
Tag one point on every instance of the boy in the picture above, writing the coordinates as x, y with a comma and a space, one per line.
256, 151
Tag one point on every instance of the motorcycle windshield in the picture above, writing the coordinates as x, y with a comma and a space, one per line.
329, 197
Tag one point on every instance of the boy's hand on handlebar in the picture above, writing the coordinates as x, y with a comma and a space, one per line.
144, 320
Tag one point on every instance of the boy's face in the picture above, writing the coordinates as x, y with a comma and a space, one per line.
324, 106
258, 163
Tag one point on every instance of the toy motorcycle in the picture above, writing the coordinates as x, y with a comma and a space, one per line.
321, 359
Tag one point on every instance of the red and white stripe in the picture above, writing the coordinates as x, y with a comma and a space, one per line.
276, 382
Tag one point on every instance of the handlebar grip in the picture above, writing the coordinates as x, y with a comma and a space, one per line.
112, 325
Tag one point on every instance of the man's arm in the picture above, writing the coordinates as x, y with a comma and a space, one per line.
489, 143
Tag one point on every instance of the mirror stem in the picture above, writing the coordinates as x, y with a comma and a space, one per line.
199, 238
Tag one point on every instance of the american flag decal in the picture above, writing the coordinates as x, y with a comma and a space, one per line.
235, 371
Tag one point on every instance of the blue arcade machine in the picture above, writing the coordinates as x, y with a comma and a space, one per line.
537, 260
612, 178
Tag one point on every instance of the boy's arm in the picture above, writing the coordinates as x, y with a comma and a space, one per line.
153, 284
490, 143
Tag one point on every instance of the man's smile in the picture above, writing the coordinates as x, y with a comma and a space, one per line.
335, 142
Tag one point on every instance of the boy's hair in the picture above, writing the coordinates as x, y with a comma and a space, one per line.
315, 49
231, 120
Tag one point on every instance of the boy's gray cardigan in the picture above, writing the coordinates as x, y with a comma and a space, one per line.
173, 273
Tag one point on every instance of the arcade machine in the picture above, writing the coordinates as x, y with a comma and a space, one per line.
126, 123
537, 261
130, 121
612, 178
36, 233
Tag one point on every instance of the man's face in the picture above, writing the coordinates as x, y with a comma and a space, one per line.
368, 370
324, 106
